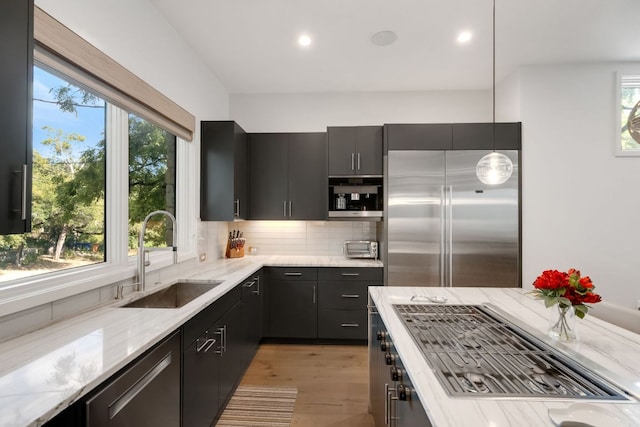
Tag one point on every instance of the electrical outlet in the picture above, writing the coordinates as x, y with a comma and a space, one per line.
203, 256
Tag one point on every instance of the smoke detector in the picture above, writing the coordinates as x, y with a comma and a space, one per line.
384, 38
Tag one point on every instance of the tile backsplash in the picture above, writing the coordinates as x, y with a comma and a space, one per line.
292, 237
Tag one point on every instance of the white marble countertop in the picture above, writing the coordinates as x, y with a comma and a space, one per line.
611, 351
43, 372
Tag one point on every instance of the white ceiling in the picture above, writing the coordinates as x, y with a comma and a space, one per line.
251, 44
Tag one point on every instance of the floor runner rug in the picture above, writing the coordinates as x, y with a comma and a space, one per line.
259, 406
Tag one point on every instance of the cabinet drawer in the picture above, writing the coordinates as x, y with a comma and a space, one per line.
293, 273
350, 273
342, 324
342, 295
207, 317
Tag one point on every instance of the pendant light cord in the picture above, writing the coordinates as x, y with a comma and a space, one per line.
494, 75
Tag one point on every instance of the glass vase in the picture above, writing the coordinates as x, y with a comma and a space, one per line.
562, 323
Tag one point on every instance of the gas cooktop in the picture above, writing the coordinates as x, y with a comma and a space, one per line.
474, 352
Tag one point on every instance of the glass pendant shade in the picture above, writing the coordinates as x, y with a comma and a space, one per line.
494, 168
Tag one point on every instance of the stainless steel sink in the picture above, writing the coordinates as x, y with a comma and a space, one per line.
176, 295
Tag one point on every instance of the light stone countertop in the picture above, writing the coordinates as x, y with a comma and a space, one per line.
612, 352
43, 372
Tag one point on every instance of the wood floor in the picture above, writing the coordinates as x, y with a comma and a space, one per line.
332, 381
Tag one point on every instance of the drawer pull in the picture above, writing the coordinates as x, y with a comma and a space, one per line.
293, 274
349, 325
140, 385
350, 296
249, 284
351, 274
207, 342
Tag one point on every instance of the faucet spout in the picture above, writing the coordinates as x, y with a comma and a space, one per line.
141, 250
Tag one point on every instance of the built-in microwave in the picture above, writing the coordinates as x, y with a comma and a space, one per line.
359, 198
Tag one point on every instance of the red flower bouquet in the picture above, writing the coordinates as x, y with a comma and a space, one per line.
568, 290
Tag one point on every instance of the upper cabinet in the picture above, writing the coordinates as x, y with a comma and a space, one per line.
355, 150
223, 171
453, 136
16, 82
288, 176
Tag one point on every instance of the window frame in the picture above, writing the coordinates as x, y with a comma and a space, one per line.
23, 294
622, 80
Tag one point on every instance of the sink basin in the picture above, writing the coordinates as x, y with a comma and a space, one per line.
176, 295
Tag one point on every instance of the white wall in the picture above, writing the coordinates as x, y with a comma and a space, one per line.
313, 112
581, 204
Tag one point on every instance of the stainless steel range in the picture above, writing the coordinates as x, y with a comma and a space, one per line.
475, 352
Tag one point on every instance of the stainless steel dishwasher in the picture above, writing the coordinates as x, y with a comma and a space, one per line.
145, 394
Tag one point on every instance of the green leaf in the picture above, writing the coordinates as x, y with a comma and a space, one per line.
548, 302
564, 301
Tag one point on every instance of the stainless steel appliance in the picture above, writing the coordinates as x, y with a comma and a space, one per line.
473, 351
443, 227
359, 198
361, 249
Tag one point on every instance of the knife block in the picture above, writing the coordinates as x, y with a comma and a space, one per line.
234, 253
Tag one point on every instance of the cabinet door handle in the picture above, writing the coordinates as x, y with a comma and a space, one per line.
350, 296
236, 212
257, 291
284, 208
350, 274
353, 161
126, 398
289, 207
349, 325
249, 284
221, 349
314, 294
207, 342
23, 192
358, 161
293, 273
386, 404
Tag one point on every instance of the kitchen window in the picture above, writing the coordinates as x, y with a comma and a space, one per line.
628, 130
134, 156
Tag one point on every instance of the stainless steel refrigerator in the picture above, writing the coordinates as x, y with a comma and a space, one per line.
443, 227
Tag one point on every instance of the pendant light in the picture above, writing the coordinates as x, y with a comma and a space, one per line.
494, 168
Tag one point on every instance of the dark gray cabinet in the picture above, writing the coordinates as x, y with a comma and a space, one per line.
292, 296
153, 381
355, 150
16, 83
211, 366
342, 301
288, 176
452, 136
223, 171
252, 314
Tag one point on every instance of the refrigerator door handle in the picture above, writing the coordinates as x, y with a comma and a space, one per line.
443, 253
450, 237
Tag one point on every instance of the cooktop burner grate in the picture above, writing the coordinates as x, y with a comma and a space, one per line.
475, 352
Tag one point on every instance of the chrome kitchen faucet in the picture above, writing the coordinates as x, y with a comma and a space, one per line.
142, 263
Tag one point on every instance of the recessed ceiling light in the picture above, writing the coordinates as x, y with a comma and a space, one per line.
304, 40
384, 38
464, 37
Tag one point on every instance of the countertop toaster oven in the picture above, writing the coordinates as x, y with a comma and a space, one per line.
361, 249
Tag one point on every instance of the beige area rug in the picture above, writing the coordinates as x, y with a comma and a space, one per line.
259, 406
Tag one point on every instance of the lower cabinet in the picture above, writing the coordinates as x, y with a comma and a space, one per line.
252, 314
292, 304
326, 302
214, 360
153, 381
342, 301
392, 399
